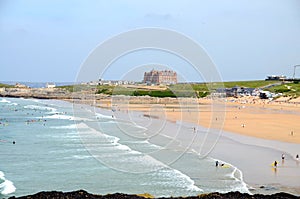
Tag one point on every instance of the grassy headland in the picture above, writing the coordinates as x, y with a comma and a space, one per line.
287, 89
6, 86
187, 90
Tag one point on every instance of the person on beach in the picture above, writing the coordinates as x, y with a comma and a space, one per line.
282, 157
275, 164
297, 157
217, 163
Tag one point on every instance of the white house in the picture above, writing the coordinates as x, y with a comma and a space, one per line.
50, 85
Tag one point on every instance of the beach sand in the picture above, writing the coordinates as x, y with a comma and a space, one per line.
252, 117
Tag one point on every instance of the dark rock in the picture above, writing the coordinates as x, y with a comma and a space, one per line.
83, 194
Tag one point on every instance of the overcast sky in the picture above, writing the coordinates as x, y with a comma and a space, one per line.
246, 39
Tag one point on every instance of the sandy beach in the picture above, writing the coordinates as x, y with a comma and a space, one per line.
272, 120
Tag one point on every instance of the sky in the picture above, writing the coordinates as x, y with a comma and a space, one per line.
50, 40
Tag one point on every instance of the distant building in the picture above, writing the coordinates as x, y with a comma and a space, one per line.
160, 77
112, 82
276, 77
236, 91
50, 85
18, 85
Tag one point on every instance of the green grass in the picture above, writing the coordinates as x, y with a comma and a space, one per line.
170, 92
190, 90
77, 88
288, 89
249, 84
6, 86
69, 88
105, 89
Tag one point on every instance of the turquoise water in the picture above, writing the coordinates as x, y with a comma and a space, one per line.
58, 147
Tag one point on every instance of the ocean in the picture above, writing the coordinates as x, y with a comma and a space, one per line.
37, 84
50, 145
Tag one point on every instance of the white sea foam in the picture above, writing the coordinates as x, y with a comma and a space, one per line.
58, 116
181, 179
99, 115
242, 186
107, 122
8, 102
123, 147
122, 157
43, 108
81, 119
144, 142
138, 126
6, 187
4, 101
71, 126
81, 157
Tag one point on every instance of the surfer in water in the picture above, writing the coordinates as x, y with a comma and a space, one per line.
282, 158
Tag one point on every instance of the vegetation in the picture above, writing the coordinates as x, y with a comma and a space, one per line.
69, 88
186, 90
287, 89
249, 84
6, 86
77, 88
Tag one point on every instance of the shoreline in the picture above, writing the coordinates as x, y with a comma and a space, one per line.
133, 108
271, 120
258, 181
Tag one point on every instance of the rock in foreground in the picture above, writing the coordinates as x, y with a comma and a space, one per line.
83, 194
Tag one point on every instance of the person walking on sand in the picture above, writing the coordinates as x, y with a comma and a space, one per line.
297, 157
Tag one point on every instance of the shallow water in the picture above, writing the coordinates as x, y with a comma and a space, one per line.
61, 147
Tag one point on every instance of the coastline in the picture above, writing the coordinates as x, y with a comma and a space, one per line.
258, 174
252, 166
236, 137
